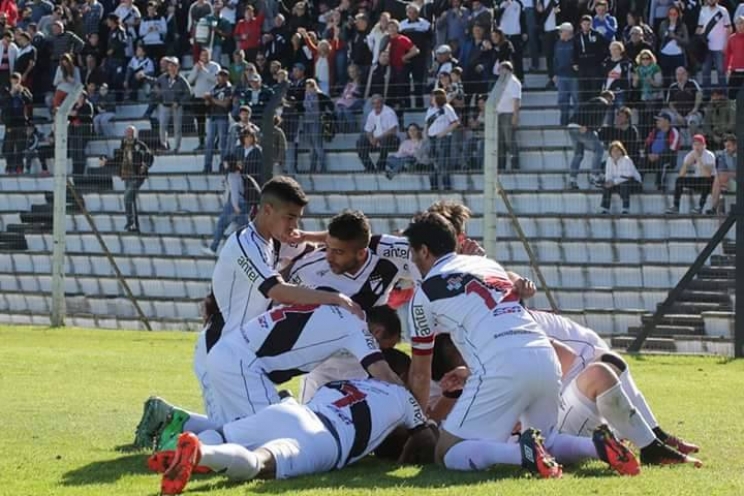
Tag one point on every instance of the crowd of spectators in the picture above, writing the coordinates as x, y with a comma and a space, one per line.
623, 71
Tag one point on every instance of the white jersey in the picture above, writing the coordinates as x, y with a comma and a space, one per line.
473, 300
291, 340
245, 272
364, 413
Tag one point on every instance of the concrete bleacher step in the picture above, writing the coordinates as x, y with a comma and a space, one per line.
685, 320
712, 284
720, 297
652, 343
669, 331
696, 308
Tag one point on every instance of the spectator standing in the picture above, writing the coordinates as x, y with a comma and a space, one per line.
8, 56
621, 177
725, 173
674, 40
701, 162
250, 155
66, 79
323, 53
202, 77
237, 129
279, 146
590, 49
419, 31
734, 58
174, 93
441, 122
238, 68
714, 25
533, 33
316, 106
565, 72
408, 152
604, 23
292, 115
130, 18
37, 148
116, 55
9, 10
41, 8
220, 30
635, 20
104, 109
508, 116
474, 145
618, 71
720, 118
256, 96
376, 40
80, 132
235, 207
625, 132
135, 160
402, 50
547, 10
16, 102
661, 148
92, 15
172, 40
26, 59
138, 65
219, 104
685, 99
480, 16
511, 25
350, 102
583, 129
248, 32
636, 44
648, 82
452, 24
380, 133
198, 10
153, 30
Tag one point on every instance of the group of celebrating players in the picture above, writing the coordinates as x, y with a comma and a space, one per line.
488, 382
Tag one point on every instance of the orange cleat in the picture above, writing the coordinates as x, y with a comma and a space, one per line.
536, 458
658, 453
159, 462
681, 445
185, 459
611, 450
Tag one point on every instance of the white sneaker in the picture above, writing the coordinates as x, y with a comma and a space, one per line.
208, 251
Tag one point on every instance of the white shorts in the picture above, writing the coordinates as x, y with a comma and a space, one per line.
211, 408
298, 439
578, 415
523, 385
238, 388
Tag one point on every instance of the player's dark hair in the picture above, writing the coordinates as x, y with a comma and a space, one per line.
283, 189
433, 231
457, 213
445, 357
387, 318
398, 361
350, 225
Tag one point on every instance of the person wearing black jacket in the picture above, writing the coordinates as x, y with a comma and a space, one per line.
590, 49
292, 113
625, 132
583, 128
80, 132
419, 31
316, 106
116, 58
16, 103
134, 159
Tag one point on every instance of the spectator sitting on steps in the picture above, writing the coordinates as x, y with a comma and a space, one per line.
725, 173
583, 129
720, 118
703, 164
380, 133
621, 177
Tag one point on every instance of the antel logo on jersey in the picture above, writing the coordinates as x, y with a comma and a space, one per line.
417, 413
395, 252
420, 321
245, 264
371, 341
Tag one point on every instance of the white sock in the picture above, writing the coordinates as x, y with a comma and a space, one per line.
198, 423
211, 438
636, 398
481, 454
615, 406
235, 461
569, 449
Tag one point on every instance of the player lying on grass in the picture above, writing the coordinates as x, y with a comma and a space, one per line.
514, 370
273, 348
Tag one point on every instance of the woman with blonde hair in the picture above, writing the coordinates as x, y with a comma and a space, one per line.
618, 71
648, 81
621, 177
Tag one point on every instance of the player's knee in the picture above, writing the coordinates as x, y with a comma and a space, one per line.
596, 379
444, 444
615, 361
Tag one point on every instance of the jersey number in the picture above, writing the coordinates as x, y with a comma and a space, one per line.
281, 313
351, 396
483, 289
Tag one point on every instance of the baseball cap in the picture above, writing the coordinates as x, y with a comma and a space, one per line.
699, 138
171, 60
255, 77
444, 49
664, 115
566, 26
636, 30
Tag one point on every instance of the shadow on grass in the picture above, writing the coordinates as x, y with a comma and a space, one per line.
106, 471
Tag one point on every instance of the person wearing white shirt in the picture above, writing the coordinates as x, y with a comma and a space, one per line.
202, 78
621, 177
511, 25
380, 134
718, 17
441, 121
508, 112
703, 164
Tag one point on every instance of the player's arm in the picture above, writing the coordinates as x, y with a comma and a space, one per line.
419, 449
421, 325
290, 294
397, 250
363, 345
524, 287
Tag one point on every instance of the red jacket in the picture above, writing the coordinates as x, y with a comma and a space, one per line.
10, 9
734, 53
252, 31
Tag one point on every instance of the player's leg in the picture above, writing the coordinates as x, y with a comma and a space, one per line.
639, 402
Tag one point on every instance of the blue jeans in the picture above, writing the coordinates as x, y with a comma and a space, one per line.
397, 164
710, 59
312, 136
226, 216
533, 37
441, 151
348, 118
217, 128
582, 141
568, 91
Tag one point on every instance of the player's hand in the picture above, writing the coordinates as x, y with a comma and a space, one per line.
454, 380
471, 247
525, 288
350, 305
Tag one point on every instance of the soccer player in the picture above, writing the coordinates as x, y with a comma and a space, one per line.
514, 371
344, 422
245, 281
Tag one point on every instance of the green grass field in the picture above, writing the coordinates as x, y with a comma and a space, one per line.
70, 399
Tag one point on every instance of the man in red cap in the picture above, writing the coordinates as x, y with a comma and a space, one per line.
700, 163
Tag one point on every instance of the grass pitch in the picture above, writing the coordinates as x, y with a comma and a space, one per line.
70, 399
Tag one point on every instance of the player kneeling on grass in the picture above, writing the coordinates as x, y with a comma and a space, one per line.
343, 422
514, 370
